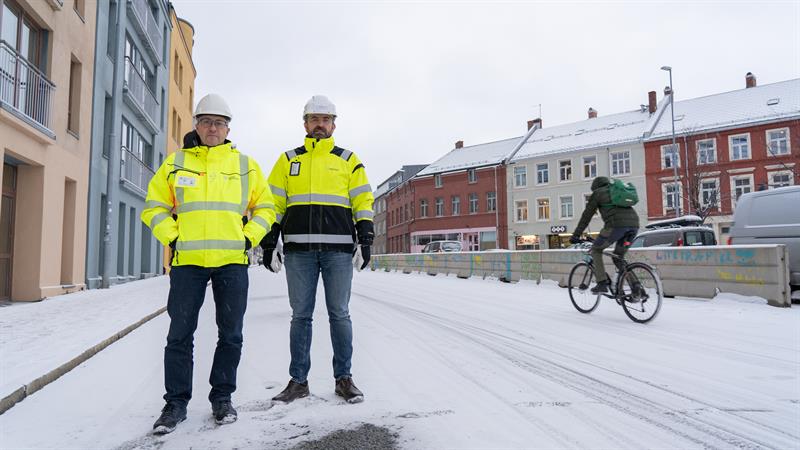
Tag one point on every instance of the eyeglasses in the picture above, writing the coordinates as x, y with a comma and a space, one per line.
205, 122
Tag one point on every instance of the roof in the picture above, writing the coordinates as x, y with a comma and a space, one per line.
399, 177
472, 156
601, 131
770, 102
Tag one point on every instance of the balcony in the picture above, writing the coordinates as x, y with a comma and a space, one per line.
24, 90
139, 97
134, 173
147, 27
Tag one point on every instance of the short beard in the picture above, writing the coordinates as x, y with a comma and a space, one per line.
320, 134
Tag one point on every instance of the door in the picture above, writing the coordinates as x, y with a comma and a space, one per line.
7, 213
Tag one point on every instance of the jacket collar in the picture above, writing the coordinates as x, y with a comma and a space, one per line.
225, 147
324, 145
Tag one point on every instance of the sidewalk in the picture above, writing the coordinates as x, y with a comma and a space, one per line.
38, 338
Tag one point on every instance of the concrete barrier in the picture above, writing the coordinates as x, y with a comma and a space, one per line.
754, 270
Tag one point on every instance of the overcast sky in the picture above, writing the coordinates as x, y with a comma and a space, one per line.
411, 78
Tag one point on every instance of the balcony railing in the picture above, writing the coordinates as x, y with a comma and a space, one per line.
134, 171
142, 100
24, 89
147, 27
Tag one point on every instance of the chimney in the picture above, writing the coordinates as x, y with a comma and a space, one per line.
459, 144
532, 123
750, 80
651, 101
592, 113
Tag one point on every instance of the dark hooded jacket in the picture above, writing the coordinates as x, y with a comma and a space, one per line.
613, 216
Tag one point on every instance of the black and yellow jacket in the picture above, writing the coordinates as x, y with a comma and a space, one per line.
320, 192
209, 189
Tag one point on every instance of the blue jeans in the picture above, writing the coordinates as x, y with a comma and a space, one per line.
187, 290
302, 274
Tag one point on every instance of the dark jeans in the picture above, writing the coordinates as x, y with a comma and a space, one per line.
622, 236
187, 290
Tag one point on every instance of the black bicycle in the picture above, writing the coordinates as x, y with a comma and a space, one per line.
637, 288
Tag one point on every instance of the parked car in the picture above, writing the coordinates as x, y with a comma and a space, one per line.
442, 246
770, 217
682, 231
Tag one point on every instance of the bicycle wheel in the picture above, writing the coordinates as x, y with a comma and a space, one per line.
640, 292
580, 280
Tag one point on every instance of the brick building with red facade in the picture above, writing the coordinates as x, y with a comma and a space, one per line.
728, 144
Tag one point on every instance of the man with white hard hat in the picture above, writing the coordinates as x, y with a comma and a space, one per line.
323, 203
197, 203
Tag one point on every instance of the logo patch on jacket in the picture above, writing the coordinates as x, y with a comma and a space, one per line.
294, 169
186, 181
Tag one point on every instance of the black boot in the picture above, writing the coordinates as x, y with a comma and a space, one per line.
223, 412
292, 392
601, 286
171, 415
347, 390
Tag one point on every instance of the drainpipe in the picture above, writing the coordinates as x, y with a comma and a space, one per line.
112, 180
496, 211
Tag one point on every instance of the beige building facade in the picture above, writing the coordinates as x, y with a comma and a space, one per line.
181, 86
46, 76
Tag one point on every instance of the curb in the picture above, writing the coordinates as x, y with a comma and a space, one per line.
19, 395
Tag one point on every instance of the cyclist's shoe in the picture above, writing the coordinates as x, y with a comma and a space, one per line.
637, 293
601, 287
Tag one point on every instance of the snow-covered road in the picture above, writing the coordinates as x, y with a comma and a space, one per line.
451, 363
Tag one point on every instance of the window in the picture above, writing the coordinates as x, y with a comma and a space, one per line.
707, 151
542, 173
565, 170
491, 201
566, 206
439, 206
671, 195
472, 176
709, 193
80, 8
473, 203
175, 63
780, 179
670, 157
174, 124
778, 142
740, 146
74, 100
437, 180
621, 163
543, 208
111, 41
521, 211
456, 201
740, 185
589, 167
520, 176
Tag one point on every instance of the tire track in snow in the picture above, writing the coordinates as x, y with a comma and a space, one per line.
694, 429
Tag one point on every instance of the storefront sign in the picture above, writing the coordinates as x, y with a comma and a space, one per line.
555, 229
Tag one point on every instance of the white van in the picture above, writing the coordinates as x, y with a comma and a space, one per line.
771, 217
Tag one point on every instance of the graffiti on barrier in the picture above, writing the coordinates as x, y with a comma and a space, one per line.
738, 277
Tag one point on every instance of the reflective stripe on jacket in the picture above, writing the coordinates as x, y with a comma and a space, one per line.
210, 190
320, 191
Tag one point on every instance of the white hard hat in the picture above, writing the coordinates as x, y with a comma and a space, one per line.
213, 104
319, 104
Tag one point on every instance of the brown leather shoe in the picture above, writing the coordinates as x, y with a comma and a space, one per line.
292, 392
347, 390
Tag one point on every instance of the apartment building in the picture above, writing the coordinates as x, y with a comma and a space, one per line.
181, 81
550, 177
381, 195
46, 67
726, 145
129, 142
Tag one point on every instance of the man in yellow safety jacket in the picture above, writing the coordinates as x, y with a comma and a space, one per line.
323, 202
197, 203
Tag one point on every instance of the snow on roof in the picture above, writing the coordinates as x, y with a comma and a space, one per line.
613, 129
472, 156
776, 101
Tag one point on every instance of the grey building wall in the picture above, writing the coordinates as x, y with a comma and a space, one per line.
129, 132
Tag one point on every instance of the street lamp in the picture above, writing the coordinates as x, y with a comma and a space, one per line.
674, 150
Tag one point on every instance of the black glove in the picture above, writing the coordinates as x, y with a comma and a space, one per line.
364, 230
574, 239
268, 244
173, 244
247, 244
366, 254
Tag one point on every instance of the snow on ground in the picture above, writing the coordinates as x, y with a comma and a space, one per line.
444, 363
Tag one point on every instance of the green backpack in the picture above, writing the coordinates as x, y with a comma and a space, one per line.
622, 194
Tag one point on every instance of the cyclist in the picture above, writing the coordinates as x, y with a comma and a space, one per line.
620, 224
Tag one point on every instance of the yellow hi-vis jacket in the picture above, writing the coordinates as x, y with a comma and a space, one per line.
320, 191
209, 190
